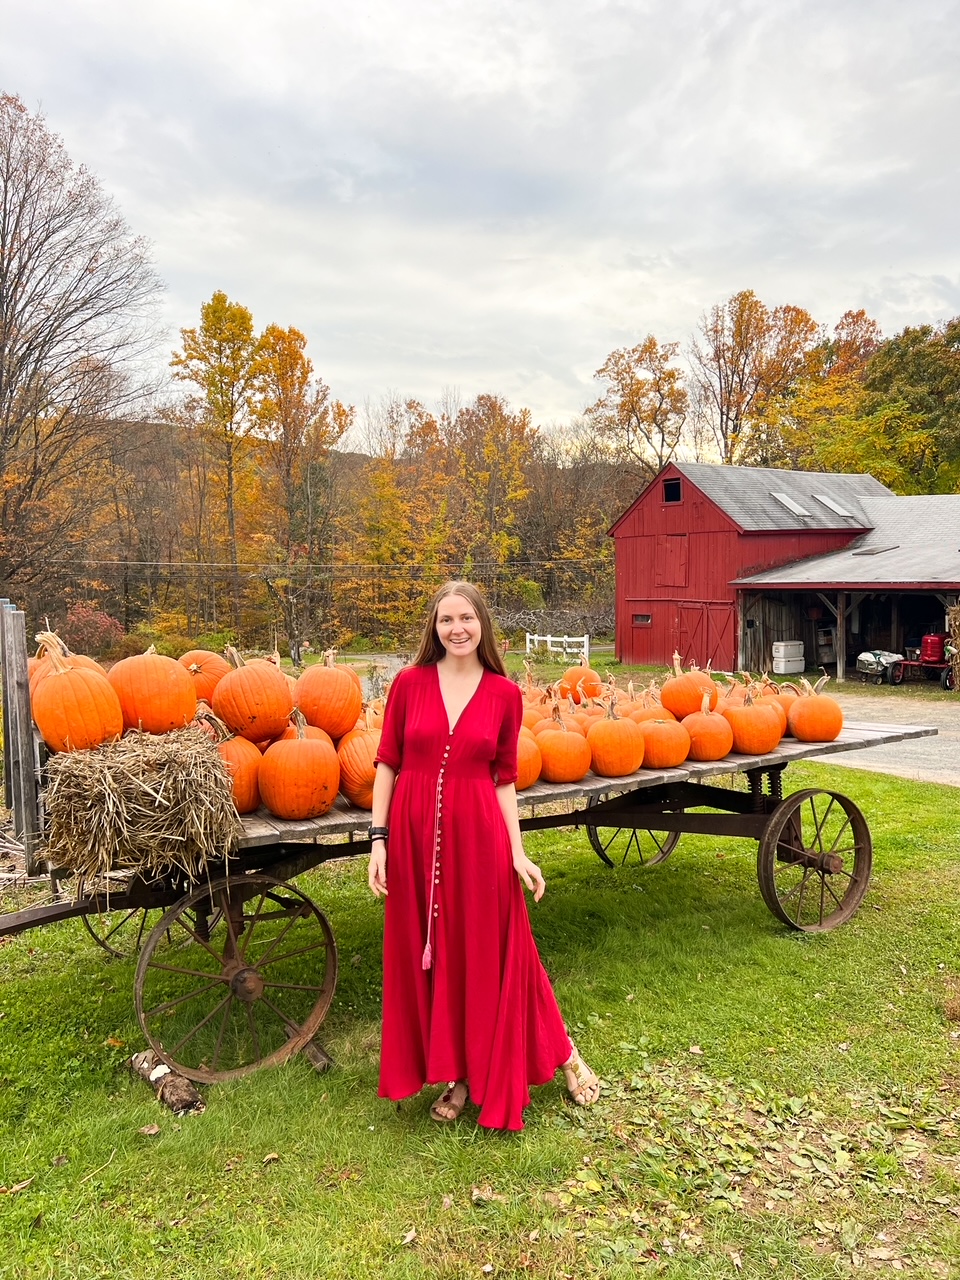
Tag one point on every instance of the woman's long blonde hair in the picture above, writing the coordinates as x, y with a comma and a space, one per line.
431, 650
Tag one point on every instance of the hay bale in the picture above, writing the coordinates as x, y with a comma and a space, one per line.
146, 803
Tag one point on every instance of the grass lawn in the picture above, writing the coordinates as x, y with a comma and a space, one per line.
775, 1103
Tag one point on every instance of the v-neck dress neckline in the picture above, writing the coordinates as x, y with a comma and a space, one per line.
451, 728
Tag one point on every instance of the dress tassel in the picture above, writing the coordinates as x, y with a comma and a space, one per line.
427, 961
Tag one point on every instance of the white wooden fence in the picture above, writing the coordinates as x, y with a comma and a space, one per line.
560, 644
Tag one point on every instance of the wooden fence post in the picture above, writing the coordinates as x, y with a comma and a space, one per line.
19, 751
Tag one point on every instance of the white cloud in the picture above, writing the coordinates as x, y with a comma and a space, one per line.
494, 195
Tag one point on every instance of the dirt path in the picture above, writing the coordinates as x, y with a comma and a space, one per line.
922, 759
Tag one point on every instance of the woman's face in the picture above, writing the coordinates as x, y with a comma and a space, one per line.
458, 627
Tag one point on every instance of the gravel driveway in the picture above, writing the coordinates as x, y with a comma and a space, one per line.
921, 759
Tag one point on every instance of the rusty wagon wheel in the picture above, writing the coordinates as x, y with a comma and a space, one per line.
617, 845
814, 860
120, 931
237, 976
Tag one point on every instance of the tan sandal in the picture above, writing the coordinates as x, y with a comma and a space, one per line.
451, 1102
583, 1085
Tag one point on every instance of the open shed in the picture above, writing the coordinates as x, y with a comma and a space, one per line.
884, 590
685, 547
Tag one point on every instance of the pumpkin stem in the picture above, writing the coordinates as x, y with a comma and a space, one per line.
818, 687
677, 664
233, 657
299, 722
216, 724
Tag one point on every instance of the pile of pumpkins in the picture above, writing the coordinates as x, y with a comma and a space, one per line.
581, 725
290, 744
293, 744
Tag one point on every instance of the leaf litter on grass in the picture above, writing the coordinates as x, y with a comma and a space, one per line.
688, 1159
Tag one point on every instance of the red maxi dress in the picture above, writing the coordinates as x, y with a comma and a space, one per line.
484, 1010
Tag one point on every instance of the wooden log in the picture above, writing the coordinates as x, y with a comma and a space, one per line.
172, 1089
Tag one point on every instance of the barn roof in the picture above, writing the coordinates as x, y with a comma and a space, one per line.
765, 498
913, 542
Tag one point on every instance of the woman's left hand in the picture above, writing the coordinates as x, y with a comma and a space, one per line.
531, 875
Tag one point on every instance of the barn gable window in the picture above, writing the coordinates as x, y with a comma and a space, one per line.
643, 619
672, 491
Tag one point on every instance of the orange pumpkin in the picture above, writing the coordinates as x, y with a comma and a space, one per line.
254, 701
330, 697
755, 725
711, 736
155, 692
207, 669
683, 692
299, 778
529, 760
616, 746
580, 682
357, 752
565, 754
666, 743
75, 707
815, 716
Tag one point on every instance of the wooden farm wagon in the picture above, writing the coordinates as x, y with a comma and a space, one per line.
237, 971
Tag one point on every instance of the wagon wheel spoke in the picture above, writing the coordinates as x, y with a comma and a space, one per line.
814, 860
178, 1000
214, 999
202, 1023
620, 846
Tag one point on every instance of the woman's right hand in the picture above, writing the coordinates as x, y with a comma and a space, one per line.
377, 869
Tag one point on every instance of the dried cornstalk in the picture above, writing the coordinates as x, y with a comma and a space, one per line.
147, 803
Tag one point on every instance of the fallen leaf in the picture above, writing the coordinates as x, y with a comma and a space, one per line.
20, 1186
534, 1235
488, 1269
272, 1158
410, 1236
114, 1043
695, 1048
149, 1130
58, 1161
447, 1202
737, 1259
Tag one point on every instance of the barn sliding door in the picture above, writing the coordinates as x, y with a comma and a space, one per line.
706, 634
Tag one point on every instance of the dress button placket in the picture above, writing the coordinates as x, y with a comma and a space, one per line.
434, 908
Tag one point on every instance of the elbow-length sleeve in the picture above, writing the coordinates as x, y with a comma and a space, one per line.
390, 751
505, 761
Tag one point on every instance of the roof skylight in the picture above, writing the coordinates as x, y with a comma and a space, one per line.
785, 500
834, 506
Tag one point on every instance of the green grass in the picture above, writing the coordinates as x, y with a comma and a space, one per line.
784, 1102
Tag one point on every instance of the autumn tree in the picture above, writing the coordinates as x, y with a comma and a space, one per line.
223, 358
77, 305
297, 424
641, 414
744, 357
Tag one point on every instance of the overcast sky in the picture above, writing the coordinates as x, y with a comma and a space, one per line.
491, 196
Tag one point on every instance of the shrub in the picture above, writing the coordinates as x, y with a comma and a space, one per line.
91, 631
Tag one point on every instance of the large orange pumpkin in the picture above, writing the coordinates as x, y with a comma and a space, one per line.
683, 692
254, 701
616, 746
565, 754
357, 752
666, 743
207, 669
711, 735
75, 707
330, 697
155, 692
756, 726
299, 778
815, 716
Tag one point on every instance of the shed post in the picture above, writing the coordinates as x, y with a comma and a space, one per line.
895, 623
841, 641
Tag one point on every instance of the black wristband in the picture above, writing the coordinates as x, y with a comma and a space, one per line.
380, 833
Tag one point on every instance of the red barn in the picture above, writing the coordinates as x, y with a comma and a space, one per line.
697, 529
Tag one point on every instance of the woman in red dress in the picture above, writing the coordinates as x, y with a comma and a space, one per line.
465, 996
